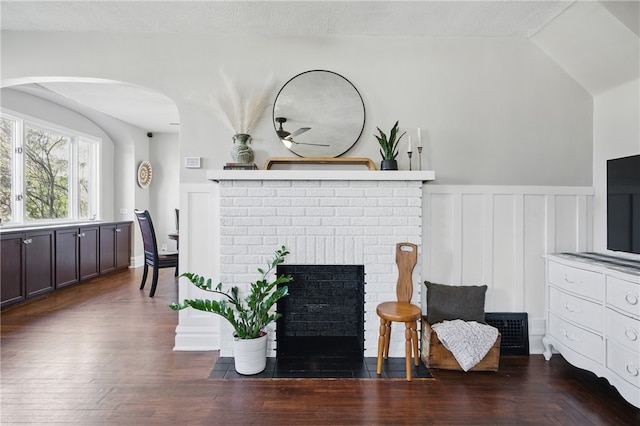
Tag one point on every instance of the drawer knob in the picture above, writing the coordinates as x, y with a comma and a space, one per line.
570, 337
631, 299
631, 334
571, 308
632, 369
570, 279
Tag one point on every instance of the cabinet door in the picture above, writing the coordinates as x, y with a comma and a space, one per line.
39, 269
11, 269
107, 248
88, 252
66, 257
123, 245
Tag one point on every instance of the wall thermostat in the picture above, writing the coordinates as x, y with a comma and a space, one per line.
192, 162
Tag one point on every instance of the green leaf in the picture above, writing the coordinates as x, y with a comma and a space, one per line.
389, 147
248, 316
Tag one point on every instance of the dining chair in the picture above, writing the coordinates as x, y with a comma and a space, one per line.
152, 257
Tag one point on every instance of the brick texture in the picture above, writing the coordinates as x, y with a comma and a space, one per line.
322, 223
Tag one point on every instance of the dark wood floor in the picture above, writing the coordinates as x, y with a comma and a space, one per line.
101, 353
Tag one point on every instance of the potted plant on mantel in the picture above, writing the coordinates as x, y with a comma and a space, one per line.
389, 148
248, 316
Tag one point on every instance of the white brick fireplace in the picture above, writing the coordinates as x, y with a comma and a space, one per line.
324, 218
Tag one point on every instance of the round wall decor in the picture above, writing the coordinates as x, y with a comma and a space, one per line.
318, 113
144, 174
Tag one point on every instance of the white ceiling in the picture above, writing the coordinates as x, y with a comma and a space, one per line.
153, 112
507, 18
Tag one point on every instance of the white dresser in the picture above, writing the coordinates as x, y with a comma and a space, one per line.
593, 317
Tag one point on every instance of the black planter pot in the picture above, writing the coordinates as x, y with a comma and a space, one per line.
388, 165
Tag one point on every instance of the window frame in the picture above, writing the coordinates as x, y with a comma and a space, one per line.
18, 171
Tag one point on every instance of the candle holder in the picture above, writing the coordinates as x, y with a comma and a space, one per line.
420, 158
409, 154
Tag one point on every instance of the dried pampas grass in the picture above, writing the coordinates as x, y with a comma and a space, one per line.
238, 111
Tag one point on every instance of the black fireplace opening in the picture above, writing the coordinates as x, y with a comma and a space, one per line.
323, 316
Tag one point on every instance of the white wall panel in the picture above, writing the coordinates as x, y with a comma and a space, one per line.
534, 246
472, 238
496, 235
502, 290
440, 247
199, 242
566, 223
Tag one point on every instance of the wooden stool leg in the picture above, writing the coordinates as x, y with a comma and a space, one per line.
381, 340
408, 334
387, 338
414, 337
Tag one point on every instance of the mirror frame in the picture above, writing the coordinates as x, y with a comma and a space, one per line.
343, 139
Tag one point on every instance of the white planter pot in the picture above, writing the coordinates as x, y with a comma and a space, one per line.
250, 355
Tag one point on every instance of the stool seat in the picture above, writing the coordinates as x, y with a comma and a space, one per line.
399, 311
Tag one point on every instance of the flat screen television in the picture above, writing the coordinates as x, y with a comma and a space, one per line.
623, 204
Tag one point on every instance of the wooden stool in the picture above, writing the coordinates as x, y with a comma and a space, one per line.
401, 310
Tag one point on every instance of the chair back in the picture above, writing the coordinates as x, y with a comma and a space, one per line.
177, 219
148, 236
406, 259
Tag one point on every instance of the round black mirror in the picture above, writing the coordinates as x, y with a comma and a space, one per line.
318, 114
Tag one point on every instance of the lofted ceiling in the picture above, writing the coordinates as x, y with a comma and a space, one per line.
511, 18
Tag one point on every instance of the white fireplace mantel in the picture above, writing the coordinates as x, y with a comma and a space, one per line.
325, 217
343, 175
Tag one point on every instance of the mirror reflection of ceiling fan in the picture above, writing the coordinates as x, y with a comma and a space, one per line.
287, 137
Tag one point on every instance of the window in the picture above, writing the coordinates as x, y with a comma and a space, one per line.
7, 136
48, 173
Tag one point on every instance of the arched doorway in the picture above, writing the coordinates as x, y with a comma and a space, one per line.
140, 124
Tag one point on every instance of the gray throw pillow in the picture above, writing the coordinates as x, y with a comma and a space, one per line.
447, 302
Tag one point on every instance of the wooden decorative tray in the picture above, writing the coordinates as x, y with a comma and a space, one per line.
319, 160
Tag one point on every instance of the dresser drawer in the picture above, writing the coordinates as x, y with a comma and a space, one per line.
623, 330
577, 310
577, 339
624, 363
579, 281
623, 295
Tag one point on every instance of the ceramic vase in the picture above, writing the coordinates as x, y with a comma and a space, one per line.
250, 355
241, 152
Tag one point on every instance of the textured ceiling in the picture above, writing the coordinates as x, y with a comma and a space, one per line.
513, 18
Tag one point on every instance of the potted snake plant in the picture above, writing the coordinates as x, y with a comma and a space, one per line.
389, 147
248, 316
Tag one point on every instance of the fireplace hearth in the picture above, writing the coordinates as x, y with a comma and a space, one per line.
323, 316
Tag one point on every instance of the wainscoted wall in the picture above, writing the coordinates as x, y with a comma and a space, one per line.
199, 253
492, 235
496, 235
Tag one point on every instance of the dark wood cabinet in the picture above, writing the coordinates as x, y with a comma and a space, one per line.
35, 262
12, 269
76, 255
38, 257
107, 248
89, 252
27, 265
115, 246
123, 245
67, 271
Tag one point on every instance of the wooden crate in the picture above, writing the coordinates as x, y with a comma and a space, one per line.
435, 355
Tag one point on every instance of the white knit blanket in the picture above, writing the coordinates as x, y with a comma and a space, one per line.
468, 341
